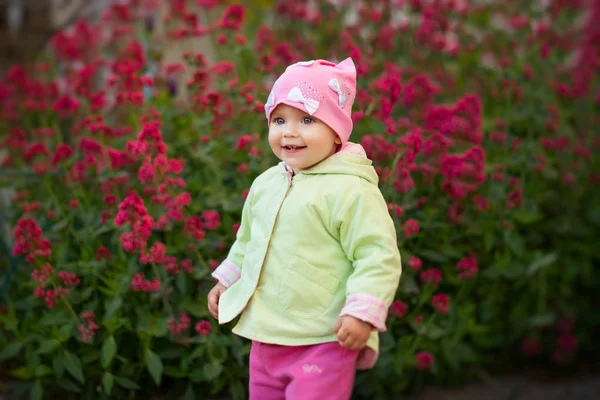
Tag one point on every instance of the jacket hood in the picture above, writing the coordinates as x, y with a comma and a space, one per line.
351, 159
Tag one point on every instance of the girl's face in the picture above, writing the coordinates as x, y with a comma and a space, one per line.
299, 140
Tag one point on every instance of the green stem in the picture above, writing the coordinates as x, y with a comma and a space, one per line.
65, 301
418, 337
164, 298
57, 203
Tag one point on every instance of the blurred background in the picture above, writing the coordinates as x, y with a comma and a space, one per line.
533, 258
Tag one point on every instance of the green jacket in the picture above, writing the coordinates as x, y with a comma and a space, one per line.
312, 247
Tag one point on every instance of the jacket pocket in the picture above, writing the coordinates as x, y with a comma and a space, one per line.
305, 291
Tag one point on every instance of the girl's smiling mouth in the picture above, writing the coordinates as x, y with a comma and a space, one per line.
293, 149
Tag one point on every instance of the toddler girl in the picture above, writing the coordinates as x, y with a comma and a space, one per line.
315, 264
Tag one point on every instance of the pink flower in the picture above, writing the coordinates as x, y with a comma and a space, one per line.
178, 327
567, 342
68, 278
467, 268
233, 17
410, 228
566, 325
73, 203
424, 360
139, 284
87, 332
432, 276
203, 328
103, 253
441, 302
211, 219
186, 265
530, 346
193, 226
399, 309
415, 263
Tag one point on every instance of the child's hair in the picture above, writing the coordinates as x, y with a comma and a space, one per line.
323, 89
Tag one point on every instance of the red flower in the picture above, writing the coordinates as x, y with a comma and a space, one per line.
567, 342
233, 17
530, 346
203, 328
432, 276
441, 302
399, 309
103, 253
424, 360
410, 228
467, 268
178, 327
211, 219
415, 263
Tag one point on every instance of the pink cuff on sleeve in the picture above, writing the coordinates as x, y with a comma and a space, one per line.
227, 273
366, 308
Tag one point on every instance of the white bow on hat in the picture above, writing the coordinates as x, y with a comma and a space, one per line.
296, 95
334, 85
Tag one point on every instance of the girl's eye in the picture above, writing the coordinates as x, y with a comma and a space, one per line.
278, 120
307, 120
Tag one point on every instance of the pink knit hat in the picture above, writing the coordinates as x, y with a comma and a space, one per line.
321, 88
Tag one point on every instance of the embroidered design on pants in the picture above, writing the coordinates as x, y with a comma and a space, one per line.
309, 369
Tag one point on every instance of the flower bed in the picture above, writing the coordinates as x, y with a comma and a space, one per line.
128, 172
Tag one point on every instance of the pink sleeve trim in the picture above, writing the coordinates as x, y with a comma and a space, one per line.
227, 273
366, 308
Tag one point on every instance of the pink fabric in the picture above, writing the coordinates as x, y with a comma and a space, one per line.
314, 372
323, 89
227, 273
353, 148
366, 358
366, 308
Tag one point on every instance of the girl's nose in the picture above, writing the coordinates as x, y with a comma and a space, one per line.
289, 133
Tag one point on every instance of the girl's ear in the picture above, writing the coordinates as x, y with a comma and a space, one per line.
337, 140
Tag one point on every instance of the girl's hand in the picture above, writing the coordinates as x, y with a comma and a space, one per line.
351, 332
213, 299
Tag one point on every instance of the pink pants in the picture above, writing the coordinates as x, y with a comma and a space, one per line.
321, 371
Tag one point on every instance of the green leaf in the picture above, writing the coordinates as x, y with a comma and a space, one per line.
43, 370
175, 372
154, 365
541, 320
181, 282
212, 370
541, 262
11, 350
161, 328
109, 350
434, 332
37, 391
189, 393
58, 366
432, 255
65, 332
515, 243
197, 309
73, 365
126, 383
23, 373
107, 382
111, 306
48, 345
69, 385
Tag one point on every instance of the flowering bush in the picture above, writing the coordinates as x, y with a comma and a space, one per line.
128, 172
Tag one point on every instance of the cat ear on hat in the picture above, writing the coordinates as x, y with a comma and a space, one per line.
347, 65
